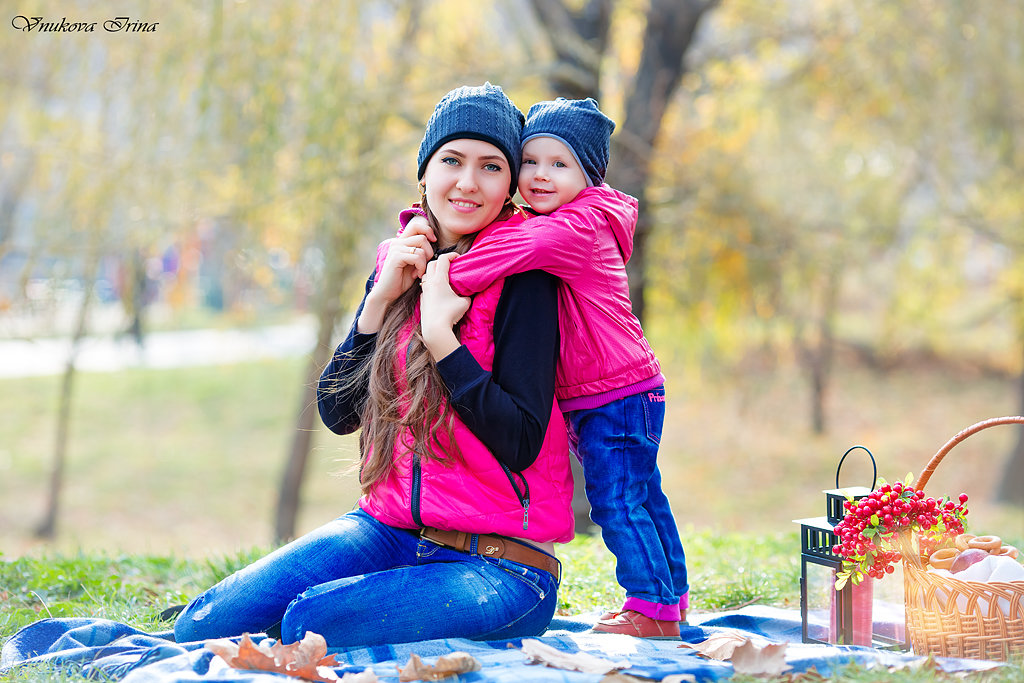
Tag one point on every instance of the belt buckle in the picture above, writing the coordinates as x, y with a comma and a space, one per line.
490, 546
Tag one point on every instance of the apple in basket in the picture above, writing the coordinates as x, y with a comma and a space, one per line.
967, 558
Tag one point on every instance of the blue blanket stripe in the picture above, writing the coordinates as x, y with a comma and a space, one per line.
119, 651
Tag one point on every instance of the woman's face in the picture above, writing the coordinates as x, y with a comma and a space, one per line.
467, 184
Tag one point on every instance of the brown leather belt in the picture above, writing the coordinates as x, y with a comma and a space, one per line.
489, 545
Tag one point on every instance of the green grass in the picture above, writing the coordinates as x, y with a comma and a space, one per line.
132, 589
727, 571
183, 460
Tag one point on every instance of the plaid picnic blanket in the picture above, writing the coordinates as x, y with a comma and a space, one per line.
106, 648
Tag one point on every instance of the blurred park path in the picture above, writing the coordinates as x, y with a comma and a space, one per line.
171, 349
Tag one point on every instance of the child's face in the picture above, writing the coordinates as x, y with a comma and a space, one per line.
467, 185
550, 175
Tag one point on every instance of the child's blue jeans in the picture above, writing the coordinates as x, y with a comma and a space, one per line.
618, 446
359, 582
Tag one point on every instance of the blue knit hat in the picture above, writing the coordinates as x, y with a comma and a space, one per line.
580, 125
481, 112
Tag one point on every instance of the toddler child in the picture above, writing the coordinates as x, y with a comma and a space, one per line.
609, 383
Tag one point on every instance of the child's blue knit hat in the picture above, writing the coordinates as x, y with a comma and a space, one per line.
482, 112
580, 125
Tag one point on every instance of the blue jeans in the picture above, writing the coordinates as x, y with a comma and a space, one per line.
359, 582
618, 446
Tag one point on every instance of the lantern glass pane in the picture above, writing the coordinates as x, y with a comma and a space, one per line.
820, 591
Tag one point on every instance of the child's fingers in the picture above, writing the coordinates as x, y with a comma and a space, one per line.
418, 225
444, 262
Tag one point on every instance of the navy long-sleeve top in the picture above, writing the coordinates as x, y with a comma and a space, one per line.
507, 408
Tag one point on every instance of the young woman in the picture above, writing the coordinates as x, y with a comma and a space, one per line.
465, 475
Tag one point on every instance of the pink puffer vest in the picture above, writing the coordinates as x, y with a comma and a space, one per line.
475, 494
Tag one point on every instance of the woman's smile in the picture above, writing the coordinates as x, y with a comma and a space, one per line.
464, 205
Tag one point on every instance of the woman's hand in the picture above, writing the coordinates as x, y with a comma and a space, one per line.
440, 308
406, 261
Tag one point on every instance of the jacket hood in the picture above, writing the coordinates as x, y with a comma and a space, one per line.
621, 210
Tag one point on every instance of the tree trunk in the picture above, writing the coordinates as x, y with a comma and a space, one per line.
47, 528
819, 358
579, 40
290, 490
1011, 484
671, 25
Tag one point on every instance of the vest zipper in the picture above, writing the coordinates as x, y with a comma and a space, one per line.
523, 496
415, 493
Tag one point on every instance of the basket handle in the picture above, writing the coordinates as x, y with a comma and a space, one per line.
963, 434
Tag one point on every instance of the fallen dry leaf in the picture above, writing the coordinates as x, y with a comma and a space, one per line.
755, 659
539, 653
449, 665
744, 655
305, 659
719, 646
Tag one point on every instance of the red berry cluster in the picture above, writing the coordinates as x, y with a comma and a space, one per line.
876, 529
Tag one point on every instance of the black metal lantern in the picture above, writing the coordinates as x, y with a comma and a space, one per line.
850, 609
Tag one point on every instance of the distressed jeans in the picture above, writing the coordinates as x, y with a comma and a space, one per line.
359, 582
618, 446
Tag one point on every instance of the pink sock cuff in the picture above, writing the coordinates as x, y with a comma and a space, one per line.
652, 610
684, 601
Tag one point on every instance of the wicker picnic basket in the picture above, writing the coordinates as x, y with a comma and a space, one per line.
947, 617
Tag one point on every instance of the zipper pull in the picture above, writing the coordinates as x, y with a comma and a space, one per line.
526, 512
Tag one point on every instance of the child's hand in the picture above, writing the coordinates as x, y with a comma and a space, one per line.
440, 308
418, 225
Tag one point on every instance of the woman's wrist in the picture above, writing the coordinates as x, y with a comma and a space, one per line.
439, 340
372, 316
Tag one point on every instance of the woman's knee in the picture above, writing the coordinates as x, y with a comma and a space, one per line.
312, 611
293, 625
187, 628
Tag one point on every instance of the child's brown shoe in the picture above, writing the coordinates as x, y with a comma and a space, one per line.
611, 615
632, 623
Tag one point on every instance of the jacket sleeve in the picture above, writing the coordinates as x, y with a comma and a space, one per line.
342, 389
509, 408
558, 244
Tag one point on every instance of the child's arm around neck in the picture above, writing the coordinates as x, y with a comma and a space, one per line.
559, 243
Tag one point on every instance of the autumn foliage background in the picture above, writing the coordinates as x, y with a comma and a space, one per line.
832, 250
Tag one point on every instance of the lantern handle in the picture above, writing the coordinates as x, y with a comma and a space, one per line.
874, 466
